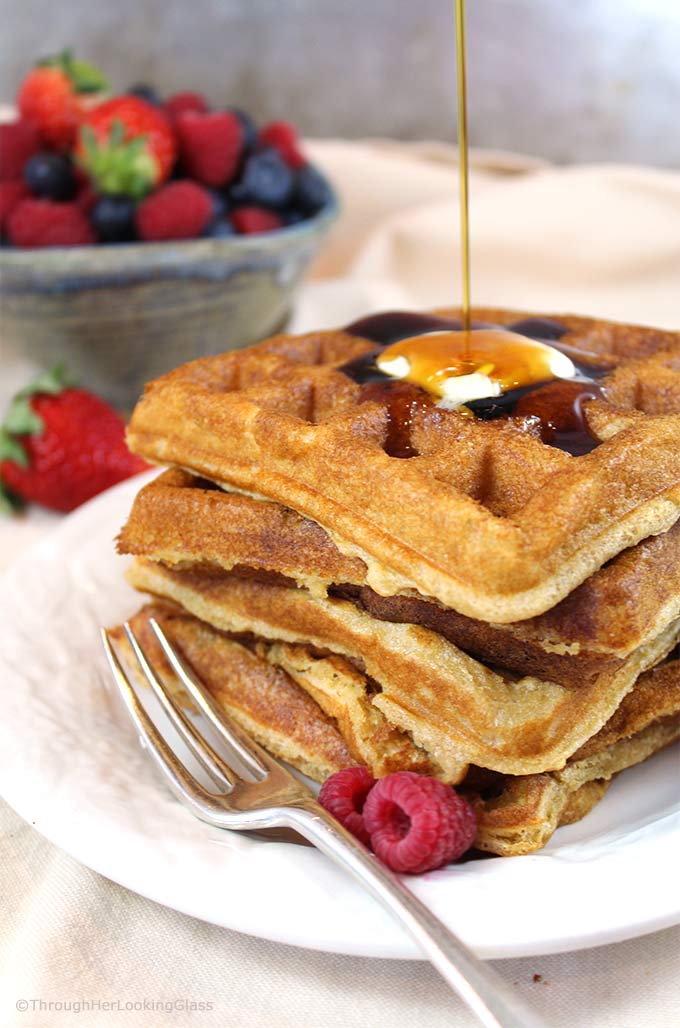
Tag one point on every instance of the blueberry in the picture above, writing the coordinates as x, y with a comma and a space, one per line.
50, 175
312, 191
266, 181
293, 216
546, 330
113, 219
248, 126
145, 92
219, 202
220, 228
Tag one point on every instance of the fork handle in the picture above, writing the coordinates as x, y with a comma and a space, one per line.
484, 991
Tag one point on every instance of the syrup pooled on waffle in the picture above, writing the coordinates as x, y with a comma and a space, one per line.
520, 358
409, 547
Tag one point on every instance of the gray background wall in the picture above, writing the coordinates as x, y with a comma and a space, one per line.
566, 79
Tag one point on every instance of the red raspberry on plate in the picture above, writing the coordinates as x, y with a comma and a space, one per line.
210, 146
282, 136
417, 823
46, 223
343, 795
11, 195
180, 210
249, 220
179, 103
19, 141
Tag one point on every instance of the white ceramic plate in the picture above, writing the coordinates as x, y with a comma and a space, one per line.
69, 767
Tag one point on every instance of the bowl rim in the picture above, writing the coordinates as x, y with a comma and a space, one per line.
112, 255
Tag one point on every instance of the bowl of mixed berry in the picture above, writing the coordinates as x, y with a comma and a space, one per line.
138, 231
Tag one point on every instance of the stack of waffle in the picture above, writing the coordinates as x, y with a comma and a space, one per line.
470, 602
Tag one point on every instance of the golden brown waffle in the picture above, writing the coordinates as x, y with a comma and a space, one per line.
272, 691
487, 519
260, 697
186, 523
344, 694
519, 815
455, 708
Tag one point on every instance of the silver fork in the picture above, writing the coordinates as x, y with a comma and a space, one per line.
276, 799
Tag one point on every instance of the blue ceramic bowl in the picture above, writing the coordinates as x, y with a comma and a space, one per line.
119, 315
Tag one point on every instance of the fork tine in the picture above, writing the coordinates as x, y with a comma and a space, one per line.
208, 758
252, 755
183, 784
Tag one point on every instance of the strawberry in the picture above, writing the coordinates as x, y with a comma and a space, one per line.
19, 141
180, 210
282, 136
55, 95
46, 223
127, 146
181, 102
210, 146
59, 445
11, 194
249, 220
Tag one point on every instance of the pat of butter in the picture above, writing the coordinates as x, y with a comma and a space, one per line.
398, 367
558, 362
460, 389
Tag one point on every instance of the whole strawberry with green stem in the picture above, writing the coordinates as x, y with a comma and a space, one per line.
60, 445
127, 146
55, 95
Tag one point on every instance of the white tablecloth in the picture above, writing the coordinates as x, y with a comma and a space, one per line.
592, 240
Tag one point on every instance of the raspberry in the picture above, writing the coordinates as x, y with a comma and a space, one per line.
210, 146
248, 220
11, 195
179, 103
417, 823
86, 197
344, 794
45, 223
282, 136
180, 210
19, 141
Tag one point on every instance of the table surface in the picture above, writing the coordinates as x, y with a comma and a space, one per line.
72, 938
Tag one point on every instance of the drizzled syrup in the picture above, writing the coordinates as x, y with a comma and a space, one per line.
459, 8
553, 407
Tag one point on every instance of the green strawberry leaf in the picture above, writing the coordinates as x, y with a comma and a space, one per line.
84, 77
21, 419
116, 133
116, 166
53, 381
11, 449
10, 503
